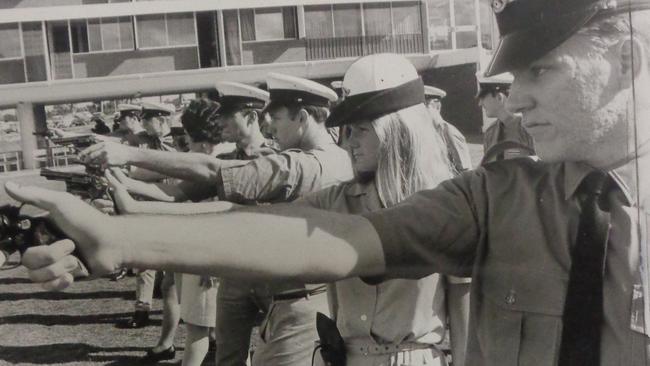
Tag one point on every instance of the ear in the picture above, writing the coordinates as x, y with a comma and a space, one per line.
303, 116
251, 117
632, 59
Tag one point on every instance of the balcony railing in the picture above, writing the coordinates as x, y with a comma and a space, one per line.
10, 161
328, 48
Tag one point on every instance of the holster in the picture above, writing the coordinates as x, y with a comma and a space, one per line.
332, 346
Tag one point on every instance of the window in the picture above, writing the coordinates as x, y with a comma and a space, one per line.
379, 19
488, 27
79, 32
231, 33
152, 31
376, 19
180, 28
268, 24
163, 30
406, 18
102, 34
347, 20
464, 12
318, 21
10, 41
33, 39
439, 24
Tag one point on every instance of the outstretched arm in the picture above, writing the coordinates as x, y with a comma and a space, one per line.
280, 241
127, 205
187, 166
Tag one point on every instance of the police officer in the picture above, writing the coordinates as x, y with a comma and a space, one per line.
572, 290
456, 143
503, 136
239, 118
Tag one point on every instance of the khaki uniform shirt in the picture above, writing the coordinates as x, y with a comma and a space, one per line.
395, 311
285, 176
266, 148
511, 225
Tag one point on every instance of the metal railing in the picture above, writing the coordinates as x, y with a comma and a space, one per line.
329, 48
55, 156
11, 161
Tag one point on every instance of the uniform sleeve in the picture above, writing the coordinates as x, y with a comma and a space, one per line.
323, 198
273, 178
433, 231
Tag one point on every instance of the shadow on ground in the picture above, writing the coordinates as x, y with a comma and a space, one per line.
66, 353
44, 295
71, 320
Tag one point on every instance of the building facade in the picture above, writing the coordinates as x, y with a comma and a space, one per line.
54, 51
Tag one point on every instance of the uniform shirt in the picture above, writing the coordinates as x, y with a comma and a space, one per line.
502, 131
239, 153
457, 148
394, 311
511, 225
287, 175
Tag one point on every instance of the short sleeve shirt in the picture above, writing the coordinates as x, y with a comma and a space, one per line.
287, 175
511, 225
394, 311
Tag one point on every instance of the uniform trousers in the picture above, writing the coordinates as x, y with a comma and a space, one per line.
145, 281
287, 332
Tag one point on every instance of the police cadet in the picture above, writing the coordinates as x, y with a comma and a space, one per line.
561, 279
129, 122
239, 118
395, 153
503, 135
456, 143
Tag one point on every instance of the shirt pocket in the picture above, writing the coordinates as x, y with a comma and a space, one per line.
520, 319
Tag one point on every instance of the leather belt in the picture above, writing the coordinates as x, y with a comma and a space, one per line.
366, 349
294, 295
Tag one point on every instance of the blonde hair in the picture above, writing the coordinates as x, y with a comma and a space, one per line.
412, 157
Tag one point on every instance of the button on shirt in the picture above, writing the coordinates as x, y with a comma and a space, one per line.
511, 225
392, 312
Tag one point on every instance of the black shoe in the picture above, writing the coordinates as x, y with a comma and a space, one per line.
140, 319
154, 357
119, 275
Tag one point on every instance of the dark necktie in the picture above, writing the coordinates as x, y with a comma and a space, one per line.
583, 307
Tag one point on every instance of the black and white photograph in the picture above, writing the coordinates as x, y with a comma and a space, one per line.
325, 182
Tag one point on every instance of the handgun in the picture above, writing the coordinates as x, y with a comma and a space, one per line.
84, 185
19, 232
78, 143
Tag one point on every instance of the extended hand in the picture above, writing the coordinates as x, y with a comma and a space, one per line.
121, 196
90, 232
106, 153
